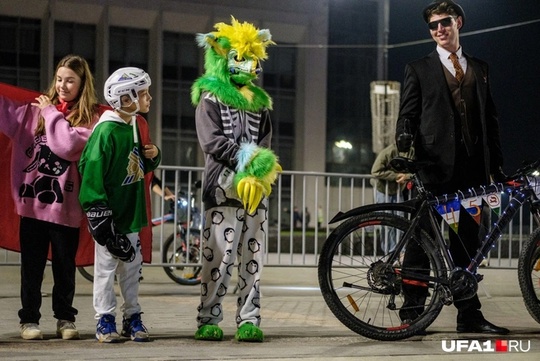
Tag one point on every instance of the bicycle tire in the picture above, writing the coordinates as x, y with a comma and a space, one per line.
184, 275
347, 273
529, 274
89, 276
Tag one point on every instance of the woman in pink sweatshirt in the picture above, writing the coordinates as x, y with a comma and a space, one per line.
48, 137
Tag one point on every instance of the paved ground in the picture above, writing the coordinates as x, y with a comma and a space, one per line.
296, 322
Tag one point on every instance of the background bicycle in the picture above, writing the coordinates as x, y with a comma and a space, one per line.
363, 286
182, 248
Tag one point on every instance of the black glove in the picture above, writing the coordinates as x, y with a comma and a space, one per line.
405, 138
120, 247
498, 175
404, 142
101, 223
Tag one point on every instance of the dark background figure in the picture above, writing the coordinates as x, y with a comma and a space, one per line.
389, 187
297, 218
320, 217
306, 217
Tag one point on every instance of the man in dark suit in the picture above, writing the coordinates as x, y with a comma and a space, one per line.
448, 112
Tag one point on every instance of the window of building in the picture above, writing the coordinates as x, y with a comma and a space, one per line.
73, 38
128, 47
279, 80
180, 69
350, 72
20, 51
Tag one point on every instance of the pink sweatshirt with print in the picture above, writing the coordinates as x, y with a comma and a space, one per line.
44, 178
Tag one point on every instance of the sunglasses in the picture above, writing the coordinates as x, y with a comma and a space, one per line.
434, 25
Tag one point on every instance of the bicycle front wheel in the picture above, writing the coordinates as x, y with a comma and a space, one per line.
364, 286
529, 274
176, 253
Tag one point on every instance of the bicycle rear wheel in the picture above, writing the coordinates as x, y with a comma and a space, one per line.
363, 287
174, 252
529, 274
87, 272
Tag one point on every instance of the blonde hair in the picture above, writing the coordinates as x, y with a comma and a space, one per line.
86, 103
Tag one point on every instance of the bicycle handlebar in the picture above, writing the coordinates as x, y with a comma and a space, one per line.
526, 169
530, 171
407, 165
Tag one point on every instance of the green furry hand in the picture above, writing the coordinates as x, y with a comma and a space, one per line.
258, 171
250, 191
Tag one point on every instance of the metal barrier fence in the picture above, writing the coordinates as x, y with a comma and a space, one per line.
300, 207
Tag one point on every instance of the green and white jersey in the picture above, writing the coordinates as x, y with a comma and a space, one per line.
112, 168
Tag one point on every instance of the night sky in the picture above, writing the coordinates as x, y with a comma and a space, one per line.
513, 55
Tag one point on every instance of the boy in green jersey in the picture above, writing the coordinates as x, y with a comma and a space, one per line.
113, 165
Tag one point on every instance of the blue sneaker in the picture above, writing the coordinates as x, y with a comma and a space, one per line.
106, 330
133, 327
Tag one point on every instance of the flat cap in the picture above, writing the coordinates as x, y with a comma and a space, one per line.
457, 8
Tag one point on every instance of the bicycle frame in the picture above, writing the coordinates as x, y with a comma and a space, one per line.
520, 193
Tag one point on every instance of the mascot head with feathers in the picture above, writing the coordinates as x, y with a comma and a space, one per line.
233, 55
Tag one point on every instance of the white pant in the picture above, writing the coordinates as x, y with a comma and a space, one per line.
128, 275
229, 232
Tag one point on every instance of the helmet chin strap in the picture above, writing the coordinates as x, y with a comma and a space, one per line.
133, 119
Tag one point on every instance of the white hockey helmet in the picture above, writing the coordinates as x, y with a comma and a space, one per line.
125, 81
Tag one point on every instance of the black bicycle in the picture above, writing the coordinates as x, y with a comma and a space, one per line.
364, 286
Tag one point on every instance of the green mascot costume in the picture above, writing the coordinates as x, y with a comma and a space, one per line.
234, 132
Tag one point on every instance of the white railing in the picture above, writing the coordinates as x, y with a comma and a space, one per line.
295, 241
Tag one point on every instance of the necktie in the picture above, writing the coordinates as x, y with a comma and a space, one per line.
457, 67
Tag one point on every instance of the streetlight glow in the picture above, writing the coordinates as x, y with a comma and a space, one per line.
343, 144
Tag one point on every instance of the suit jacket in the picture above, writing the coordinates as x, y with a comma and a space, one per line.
427, 102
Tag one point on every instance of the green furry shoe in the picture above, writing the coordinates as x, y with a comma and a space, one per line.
248, 332
209, 333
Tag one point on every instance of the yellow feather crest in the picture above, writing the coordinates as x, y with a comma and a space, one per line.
245, 38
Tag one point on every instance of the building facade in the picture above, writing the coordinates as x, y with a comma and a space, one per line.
158, 36
318, 73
